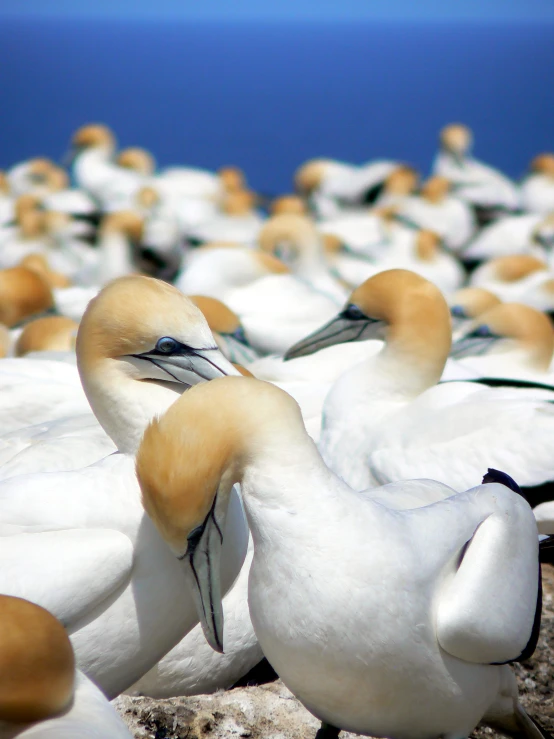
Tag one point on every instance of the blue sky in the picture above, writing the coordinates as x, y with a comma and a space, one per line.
393, 10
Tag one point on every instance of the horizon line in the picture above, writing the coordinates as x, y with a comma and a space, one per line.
45, 14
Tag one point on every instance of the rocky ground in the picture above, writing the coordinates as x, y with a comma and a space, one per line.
270, 711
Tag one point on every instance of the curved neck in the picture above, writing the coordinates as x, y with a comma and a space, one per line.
284, 486
124, 406
366, 393
311, 267
116, 257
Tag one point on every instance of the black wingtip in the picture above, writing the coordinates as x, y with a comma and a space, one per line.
503, 479
546, 550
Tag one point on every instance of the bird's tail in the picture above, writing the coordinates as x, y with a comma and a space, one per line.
528, 727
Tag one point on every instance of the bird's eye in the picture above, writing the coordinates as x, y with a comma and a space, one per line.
167, 345
482, 331
353, 313
458, 312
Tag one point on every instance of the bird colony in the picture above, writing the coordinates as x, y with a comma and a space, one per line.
316, 428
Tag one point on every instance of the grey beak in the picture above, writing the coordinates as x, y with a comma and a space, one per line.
237, 350
340, 330
471, 346
203, 559
188, 368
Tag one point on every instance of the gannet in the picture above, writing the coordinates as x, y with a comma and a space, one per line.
294, 239
39, 263
94, 170
467, 304
28, 236
42, 695
529, 233
489, 191
288, 204
228, 332
137, 159
275, 307
537, 189
51, 333
331, 184
23, 294
94, 554
371, 629
399, 185
31, 177
238, 221
387, 419
436, 209
511, 340
520, 278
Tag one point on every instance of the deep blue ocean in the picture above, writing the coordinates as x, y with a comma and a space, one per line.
269, 96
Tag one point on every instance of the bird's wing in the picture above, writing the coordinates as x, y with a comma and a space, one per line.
68, 572
454, 434
488, 606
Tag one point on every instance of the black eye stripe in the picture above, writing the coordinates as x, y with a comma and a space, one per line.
481, 332
167, 346
353, 313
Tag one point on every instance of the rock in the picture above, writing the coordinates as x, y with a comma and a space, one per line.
270, 711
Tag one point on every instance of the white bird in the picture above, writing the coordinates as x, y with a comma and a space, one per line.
467, 304
23, 294
226, 327
511, 340
42, 695
112, 186
180, 183
372, 629
417, 250
38, 177
47, 334
193, 667
398, 187
79, 542
275, 307
238, 222
120, 234
436, 209
366, 233
217, 269
331, 184
530, 233
29, 236
35, 391
537, 189
294, 239
489, 191
387, 419
520, 278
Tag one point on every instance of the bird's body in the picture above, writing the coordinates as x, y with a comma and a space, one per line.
370, 628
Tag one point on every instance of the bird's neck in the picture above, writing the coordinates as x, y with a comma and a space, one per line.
116, 257
124, 406
284, 484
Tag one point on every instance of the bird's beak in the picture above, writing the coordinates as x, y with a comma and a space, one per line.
187, 368
203, 564
339, 330
236, 348
471, 346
